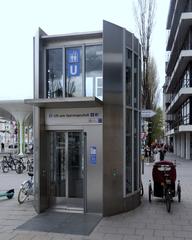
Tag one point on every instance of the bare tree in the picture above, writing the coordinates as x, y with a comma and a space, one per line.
144, 11
153, 82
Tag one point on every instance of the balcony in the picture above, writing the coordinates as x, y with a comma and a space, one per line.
171, 11
181, 97
182, 30
173, 20
185, 128
184, 58
169, 117
167, 100
170, 132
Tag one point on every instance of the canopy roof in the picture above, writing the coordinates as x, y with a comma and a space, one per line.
15, 110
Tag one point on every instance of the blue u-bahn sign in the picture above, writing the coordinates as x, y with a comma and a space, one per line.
73, 62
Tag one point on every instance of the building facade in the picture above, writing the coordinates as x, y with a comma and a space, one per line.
86, 121
178, 84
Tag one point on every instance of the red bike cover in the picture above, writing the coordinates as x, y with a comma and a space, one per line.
161, 168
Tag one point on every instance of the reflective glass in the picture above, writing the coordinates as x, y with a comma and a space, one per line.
136, 71
93, 71
128, 77
54, 72
128, 151
136, 141
75, 165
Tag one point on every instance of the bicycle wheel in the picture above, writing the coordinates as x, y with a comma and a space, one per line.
30, 168
168, 202
141, 190
179, 192
13, 164
19, 168
150, 192
23, 193
5, 167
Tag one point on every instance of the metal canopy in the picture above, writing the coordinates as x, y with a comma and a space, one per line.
76, 102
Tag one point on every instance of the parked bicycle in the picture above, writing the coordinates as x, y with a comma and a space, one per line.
8, 163
26, 189
30, 165
20, 166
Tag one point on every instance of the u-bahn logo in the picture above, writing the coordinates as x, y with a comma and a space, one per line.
73, 62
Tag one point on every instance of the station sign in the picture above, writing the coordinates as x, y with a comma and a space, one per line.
75, 116
73, 62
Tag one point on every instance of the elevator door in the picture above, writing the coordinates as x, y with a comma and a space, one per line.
67, 170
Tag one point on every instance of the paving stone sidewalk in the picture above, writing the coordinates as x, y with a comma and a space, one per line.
147, 222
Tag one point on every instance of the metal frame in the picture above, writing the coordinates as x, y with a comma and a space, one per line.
64, 46
133, 110
83, 159
124, 113
133, 113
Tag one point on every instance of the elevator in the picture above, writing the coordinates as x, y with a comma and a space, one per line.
67, 170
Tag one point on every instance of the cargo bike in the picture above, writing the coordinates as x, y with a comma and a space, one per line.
164, 178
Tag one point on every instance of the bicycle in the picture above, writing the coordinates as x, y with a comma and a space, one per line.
26, 189
164, 177
8, 163
20, 167
30, 165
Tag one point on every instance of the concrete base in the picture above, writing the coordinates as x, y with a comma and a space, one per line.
129, 203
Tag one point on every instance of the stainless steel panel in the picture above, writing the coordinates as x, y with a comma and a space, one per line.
38, 54
115, 40
136, 44
128, 39
41, 165
36, 156
113, 140
93, 193
44, 164
94, 185
36, 65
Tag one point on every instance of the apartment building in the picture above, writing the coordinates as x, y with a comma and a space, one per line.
178, 85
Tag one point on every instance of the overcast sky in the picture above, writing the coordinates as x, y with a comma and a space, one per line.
20, 19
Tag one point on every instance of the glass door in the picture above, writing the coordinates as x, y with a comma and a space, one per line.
60, 164
75, 165
67, 169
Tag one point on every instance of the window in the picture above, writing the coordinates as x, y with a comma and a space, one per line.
67, 79
128, 77
133, 73
99, 88
93, 71
54, 73
136, 80
185, 112
129, 143
186, 77
136, 147
73, 74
